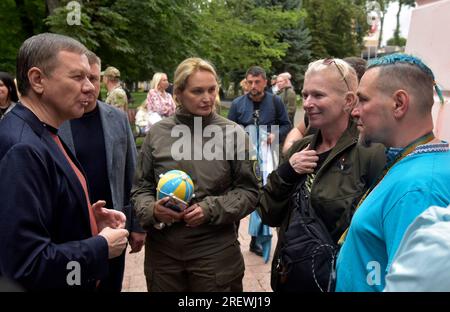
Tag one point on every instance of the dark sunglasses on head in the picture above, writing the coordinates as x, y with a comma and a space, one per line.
329, 61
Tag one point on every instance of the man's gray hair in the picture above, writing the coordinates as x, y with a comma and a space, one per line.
93, 59
41, 51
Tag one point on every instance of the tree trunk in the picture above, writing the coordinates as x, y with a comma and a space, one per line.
384, 4
51, 5
397, 28
381, 31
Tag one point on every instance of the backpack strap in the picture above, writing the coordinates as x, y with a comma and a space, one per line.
277, 113
296, 190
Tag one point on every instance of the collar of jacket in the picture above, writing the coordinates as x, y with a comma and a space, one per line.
347, 139
349, 136
183, 116
29, 117
10, 107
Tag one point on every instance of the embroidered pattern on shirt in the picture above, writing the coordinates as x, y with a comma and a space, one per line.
431, 148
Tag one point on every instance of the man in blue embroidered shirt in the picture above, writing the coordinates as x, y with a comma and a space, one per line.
395, 100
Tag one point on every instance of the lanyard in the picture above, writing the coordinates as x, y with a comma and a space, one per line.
405, 152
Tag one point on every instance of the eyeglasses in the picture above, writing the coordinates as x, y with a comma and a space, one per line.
329, 61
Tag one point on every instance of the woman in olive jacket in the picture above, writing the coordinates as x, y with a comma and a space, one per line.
198, 249
331, 168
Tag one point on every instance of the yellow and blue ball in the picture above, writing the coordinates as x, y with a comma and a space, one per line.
175, 183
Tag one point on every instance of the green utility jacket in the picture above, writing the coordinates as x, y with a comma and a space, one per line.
227, 190
345, 175
289, 99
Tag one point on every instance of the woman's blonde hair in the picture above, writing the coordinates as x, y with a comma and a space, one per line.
156, 80
244, 86
186, 68
344, 71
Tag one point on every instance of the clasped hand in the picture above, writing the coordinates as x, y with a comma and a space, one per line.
111, 225
304, 161
192, 215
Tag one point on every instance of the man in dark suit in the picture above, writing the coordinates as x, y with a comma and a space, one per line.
51, 237
103, 143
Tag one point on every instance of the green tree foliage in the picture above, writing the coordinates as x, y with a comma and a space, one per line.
141, 37
102, 28
298, 55
161, 32
400, 41
297, 36
239, 34
99, 25
337, 27
144, 36
19, 20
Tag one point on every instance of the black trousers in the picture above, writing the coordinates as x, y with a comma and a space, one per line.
113, 283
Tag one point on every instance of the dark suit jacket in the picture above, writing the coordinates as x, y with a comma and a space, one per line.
120, 158
45, 236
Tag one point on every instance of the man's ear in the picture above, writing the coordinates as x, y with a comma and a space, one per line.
35, 77
401, 103
350, 101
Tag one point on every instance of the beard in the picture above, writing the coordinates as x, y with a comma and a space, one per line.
364, 141
255, 93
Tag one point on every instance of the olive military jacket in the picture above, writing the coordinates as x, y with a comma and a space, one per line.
289, 99
227, 188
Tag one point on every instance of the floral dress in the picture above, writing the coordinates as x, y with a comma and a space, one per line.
161, 103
